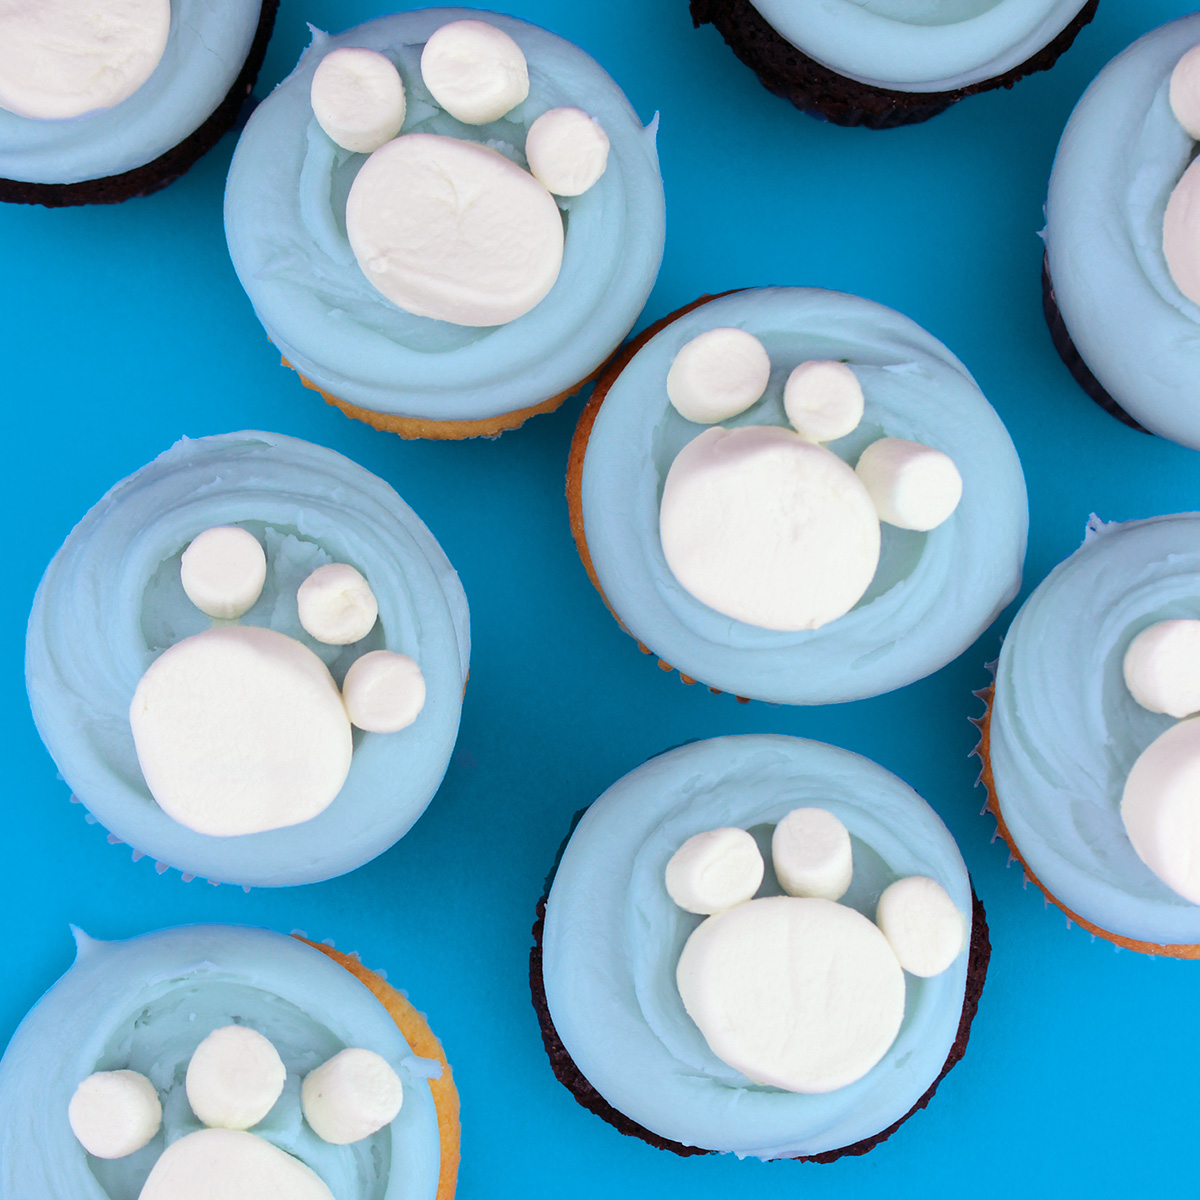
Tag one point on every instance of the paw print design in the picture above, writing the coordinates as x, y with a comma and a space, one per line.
798, 991
765, 523
449, 227
239, 728
1181, 222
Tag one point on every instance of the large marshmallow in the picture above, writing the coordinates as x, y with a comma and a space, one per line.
358, 98
811, 852
912, 486
1162, 668
223, 571
920, 921
1181, 233
454, 230
1185, 91
475, 71
114, 1113
336, 605
823, 400
351, 1096
767, 528
567, 151
715, 870
717, 375
234, 1078
384, 692
240, 729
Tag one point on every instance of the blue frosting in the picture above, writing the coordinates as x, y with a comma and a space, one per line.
285, 221
1121, 155
613, 937
206, 49
146, 1004
933, 593
111, 601
1065, 729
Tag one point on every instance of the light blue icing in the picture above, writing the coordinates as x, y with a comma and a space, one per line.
1121, 155
146, 1004
920, 45
111, 601
206, 50
613, 937
1065, 729
285, 222
933, 593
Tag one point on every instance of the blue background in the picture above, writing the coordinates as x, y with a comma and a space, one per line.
124, 328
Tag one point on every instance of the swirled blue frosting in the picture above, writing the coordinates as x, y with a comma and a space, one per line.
111, 601
933, 593
613, 937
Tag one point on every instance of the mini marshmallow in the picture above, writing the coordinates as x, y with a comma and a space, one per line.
384, 692
767, 528
567, 151
912, 486
811, 852
1162, 668
336, 605
223, 571
234, 1078
475, 71
922, 925
358, 98
717, 375
114, 1113
1161, 808
715, 870
351, 1096
1185, 91
823, 400
1181, 233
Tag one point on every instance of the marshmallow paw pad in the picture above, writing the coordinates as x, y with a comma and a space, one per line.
1181, 223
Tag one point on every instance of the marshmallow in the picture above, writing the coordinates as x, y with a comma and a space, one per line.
714, 871
454, 230
384, 692
64, 58
475, 71
223, 571
1161, 808
1162, 668
226, 1164
240, 729
811, 852
358, 98
567, 151
351, 1096
1181, 233
717, 375
823, 400
114, 1113
800, 994
234, 1078
767, 528
1185, 91
912, 486
336, 605
921, 924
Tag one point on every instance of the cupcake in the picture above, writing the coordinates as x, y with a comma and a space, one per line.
102, 102
248, 661
1091, 745
889, 64
237, 1061
1121, 274
798, 496
446, 220
712, 910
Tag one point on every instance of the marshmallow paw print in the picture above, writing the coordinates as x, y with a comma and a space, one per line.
798, 991
1181, 222
767, 525
448, 227
241, 729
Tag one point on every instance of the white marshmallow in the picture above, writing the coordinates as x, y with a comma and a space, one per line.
240, 729
770, 529
475, 71
223, 571
1181, 233
454, 230
358, 98
567, 151
801, 994
1162, 668
715, 870
1185, 91
336, 605
1161, 808
384, 692
234, 1078
114, 1113
823, 400
717, 375
351, 1096
912, 486
811, 852
921, 923
64, 58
